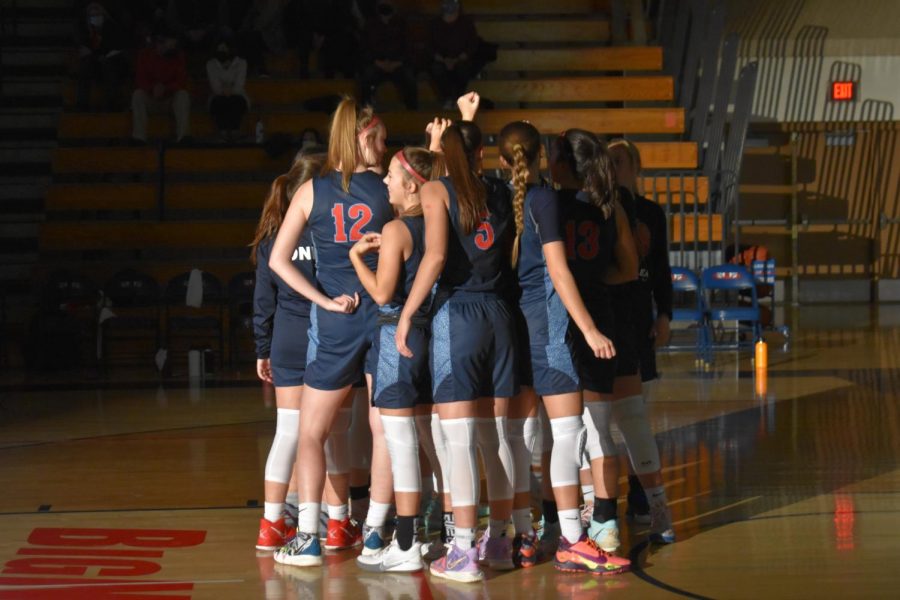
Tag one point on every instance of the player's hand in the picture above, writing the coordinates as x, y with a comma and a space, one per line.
600, 345
403, 326
370, 242
661, 333
468, 105
264, 369
435, 129
343, 304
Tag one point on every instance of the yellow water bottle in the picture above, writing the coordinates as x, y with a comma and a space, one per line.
762, 355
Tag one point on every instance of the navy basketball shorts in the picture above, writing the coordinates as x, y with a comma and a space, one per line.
597, 374
523, 352
400, 382
551, 348
289, 347
340, 346
473, 349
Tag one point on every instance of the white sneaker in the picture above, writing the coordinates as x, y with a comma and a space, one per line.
393, 560
606, 535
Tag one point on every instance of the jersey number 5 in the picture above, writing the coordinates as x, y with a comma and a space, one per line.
587, 242
359, 214
484, 236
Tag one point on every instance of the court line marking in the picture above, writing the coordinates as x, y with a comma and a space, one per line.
138, 584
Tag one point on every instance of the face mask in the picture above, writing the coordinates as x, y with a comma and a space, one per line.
96, 20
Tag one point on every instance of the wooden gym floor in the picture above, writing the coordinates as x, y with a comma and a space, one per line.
794, 493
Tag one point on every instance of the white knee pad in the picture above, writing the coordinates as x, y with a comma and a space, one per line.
499, 466
442, 476
463, 469
284, 447
426, 442
403, 446
597, 421
337, 447
565, 459
522, 436
544, 443
360, 432
630, 415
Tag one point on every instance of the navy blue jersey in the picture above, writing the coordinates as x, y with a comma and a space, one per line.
479, 262
338, 220
272, 294
542, 226
416, 228
590, 243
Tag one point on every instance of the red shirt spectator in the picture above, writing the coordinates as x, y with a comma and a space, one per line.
163, 64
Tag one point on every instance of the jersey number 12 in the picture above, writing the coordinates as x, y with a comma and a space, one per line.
359, 214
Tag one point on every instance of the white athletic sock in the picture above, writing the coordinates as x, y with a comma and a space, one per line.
570, 524
338, 512
377, 514
308, 517
464, 537
497, 528
522, 521
272, 511
587, 490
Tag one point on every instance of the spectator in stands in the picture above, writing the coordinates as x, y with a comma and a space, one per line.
162, 85
455, 44
332, 30
309, 138
228, 102
100, 57
386, 56
147, 16
196, 22
263, 30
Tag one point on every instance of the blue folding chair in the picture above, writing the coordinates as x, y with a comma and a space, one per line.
734, 281
685, 282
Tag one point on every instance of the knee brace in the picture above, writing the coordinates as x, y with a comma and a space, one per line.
497, 456
337, 447
284, 447
426, 442
442, 475
630, 415
599, 441
360, 432
565, 459
463, 469
522, 436
403, 446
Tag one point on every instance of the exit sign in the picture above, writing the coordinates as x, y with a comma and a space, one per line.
843, 91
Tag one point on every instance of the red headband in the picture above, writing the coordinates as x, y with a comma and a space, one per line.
372, 124
401, 158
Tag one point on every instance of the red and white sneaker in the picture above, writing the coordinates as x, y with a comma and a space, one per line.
342, 534
273, 535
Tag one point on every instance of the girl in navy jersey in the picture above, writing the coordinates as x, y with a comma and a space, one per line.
402, 386
633, 304
279, 313
468, 227
601, 252
549, 290
338, 207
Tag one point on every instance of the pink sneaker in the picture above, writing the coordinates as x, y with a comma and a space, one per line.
458, 565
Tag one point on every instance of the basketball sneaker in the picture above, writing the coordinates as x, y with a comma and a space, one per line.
606, 534
458, 565
525, 550
661, 531
302, 551
393, 559
584, 556
432, 551
495, 552
273, 535
548, 538
342, 534
373, 540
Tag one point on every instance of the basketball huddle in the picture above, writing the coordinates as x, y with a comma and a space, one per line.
418, 318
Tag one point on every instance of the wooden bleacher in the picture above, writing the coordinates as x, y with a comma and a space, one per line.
553, 69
